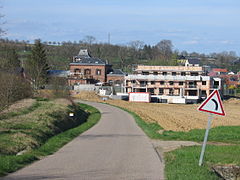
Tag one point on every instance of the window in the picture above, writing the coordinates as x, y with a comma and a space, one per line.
164, 73
77, 71
143, 83
194, 73
174, 73
183, 74
180, 83
133, 81
162, 82
192, 84
145, 73
204, 82
152, 82
204, 93
161, 91
151, 90
98, 71
87, 71
171, 82
192, 92
216, 83
155, 73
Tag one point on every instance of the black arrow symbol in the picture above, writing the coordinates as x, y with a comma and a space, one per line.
216, 108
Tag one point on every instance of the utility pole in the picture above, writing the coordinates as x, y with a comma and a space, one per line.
109, 38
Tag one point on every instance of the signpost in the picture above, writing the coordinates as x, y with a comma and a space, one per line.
212, 105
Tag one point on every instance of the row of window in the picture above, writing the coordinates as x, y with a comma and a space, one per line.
170, 82
172, 73
88, 71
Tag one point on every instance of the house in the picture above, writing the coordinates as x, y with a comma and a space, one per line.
192, 62
218, 72
169, 82
88, 70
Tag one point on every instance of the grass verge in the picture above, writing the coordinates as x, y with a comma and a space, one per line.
11, 163
183, 163
226, 134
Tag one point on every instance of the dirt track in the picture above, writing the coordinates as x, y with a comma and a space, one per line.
178, 117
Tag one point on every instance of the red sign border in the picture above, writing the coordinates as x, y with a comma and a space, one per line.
220, 101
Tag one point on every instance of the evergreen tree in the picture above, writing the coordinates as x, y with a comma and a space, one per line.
37, 65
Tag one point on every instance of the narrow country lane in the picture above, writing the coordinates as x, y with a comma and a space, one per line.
115, 148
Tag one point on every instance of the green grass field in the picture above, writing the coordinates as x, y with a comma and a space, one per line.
183, 163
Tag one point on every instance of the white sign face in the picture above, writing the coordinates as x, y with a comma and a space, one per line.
213, 104
139, 97
71, 114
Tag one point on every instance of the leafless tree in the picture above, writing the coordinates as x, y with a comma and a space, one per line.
13, 88
137, 45
89, 40
165, 49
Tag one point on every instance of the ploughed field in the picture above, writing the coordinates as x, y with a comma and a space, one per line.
176, 117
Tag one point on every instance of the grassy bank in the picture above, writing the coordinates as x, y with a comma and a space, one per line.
37, 135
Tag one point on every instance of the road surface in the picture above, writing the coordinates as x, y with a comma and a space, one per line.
115, 148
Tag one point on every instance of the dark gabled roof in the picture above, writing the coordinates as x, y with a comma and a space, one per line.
90, 60
116, 72
84, 58
181, 57
193, 61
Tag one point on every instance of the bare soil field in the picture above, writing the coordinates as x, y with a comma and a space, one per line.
175, 117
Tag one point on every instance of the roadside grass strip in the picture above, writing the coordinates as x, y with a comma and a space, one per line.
11, 163
225, 134
183, 163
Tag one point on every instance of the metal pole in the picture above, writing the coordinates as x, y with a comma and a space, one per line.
205, 139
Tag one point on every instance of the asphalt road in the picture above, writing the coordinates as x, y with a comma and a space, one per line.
115, 148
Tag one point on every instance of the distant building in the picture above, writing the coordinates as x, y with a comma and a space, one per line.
86, 69
168, 82
218, 72
192, 62
230, 79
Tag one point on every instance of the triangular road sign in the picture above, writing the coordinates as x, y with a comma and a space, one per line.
213, 104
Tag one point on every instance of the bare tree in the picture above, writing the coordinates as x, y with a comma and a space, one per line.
137, 45
13, 88
165, 48
89, 40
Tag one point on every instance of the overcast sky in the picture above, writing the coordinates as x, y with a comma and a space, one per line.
193, 25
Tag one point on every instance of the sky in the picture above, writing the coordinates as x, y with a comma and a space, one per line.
202, 26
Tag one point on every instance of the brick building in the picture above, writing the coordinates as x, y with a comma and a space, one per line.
90, 70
